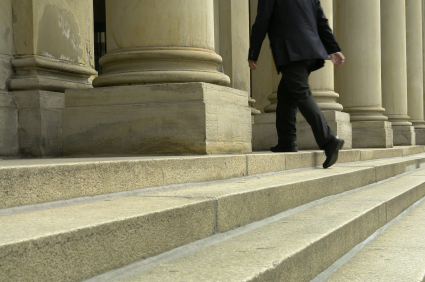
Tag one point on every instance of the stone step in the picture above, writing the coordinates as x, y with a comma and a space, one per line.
26, 182
80, 240
294, 247
398, 254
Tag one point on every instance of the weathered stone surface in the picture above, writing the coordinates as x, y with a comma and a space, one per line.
372, 134
5, 70
397, 255
313, 240
40, 122
404, 135
27, 182
61, 30
78, 242
8, 125
6, 36
264, 134
157, 119
420, 136
54, 44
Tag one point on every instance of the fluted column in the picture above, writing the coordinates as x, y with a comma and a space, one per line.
160, 41
394, 70
358, 82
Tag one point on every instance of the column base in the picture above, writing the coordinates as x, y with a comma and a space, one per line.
404, 135
37, 72
264, 134
420, 136
372, 134
9, 145
338, 121
179, 118
40, 123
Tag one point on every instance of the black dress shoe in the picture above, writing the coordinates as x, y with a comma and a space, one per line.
331, 151
285, 147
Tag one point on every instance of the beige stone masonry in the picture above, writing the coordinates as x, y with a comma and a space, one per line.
40, 122
8, 111
52, 51
8, 125
157, 119
160, 42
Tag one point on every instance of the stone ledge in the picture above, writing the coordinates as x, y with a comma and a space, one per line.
35, 181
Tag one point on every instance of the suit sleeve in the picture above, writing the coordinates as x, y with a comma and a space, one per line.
260, 27
325, 32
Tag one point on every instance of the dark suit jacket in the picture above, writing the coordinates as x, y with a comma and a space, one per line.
298, 30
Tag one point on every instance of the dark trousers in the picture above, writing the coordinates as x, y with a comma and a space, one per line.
294, 92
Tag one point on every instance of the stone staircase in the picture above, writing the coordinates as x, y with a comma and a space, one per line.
253, 217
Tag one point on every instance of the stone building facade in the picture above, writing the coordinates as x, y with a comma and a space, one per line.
175, 78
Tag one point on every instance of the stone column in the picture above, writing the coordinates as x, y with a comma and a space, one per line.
322, 88
232, 44
8, 110
358, 82
394, 70
415, 72
53, 43
162, 64
160, 41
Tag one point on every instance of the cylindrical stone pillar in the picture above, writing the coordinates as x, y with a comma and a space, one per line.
394, 70
358, 82
322, 81
160, 41
415, 79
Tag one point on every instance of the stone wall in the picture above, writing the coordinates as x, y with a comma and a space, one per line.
8, 110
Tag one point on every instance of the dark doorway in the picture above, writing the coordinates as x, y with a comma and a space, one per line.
99, 16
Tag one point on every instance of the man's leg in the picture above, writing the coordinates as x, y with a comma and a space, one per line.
297, 92
286, 113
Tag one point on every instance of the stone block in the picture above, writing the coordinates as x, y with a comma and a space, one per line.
264, 134
40, 122
404, 135
9, 145
77, 242
372, 134
5, 70
265, 162
420, 136
178, 118
26, 182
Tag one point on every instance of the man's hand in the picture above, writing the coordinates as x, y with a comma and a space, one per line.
338, 59
252, 65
